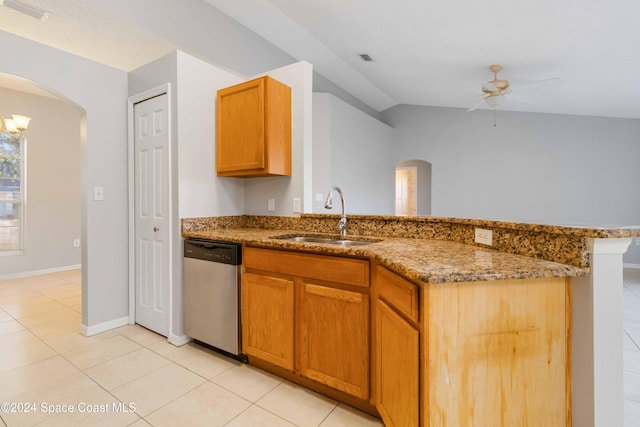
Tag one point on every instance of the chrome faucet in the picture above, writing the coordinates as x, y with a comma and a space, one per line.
328, 204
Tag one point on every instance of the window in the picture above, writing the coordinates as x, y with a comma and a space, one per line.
12, 193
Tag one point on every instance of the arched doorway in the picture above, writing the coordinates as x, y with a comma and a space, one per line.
413, 188
49, 185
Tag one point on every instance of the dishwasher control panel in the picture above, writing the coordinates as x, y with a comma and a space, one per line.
211, 250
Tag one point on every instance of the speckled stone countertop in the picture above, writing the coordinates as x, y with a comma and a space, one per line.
561, 244
423, 260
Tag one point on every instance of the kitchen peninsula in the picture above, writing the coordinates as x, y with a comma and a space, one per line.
434, 328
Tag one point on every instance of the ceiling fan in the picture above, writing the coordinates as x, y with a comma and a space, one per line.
497, 90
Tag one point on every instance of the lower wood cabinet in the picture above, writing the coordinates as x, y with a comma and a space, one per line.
446, 354
333, 338
268, 319
493, 353
309, 314
398, 370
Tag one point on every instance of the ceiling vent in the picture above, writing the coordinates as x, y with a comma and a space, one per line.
26, 9
365, 57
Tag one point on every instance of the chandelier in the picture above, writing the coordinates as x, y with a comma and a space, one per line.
15, 125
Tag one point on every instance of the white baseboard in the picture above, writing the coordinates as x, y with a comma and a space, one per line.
631, 265
179, 340
103, 327
39, 272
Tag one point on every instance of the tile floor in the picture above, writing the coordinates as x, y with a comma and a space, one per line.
46, 362
131, 376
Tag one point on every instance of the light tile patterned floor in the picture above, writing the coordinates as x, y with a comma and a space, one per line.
44, 360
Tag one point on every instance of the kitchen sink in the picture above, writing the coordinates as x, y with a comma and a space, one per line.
338, 241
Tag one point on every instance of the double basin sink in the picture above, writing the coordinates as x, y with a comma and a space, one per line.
337, 241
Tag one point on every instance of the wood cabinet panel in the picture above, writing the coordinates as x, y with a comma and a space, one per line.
268, 319
253, 129
349, 271
399, 292
241, 130
498, 353
333, 337
398, 368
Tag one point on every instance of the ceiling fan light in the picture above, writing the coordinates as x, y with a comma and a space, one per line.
21, 122
494, 101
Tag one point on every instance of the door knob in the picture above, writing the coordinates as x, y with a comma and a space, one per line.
156, 229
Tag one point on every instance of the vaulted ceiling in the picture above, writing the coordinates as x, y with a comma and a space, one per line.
437, 52
425, 52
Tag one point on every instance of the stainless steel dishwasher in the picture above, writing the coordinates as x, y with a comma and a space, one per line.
212, 294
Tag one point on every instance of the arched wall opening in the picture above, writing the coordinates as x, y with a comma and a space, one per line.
413, 188
101, 92
49, 224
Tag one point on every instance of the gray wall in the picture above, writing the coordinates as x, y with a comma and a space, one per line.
101, 92
53, 183
538, 168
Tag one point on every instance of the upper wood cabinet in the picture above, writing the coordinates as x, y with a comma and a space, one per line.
253, 128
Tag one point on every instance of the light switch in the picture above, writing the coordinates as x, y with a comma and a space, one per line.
296, 205
271, 205
98, 193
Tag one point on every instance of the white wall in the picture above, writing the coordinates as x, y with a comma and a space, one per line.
54, 199
354, 152
201, 192
321, 150
196, 190
101, 91
537, 168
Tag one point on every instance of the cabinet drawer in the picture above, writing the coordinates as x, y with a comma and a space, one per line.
349, 271
399, 292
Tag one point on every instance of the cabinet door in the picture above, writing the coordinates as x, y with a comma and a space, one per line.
267, 319
398, 372
241, 127
253, 129
334, 338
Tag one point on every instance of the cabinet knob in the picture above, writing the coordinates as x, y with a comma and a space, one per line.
156, 229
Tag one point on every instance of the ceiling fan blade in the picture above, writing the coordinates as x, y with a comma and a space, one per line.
518, 98
478, 105
538, 83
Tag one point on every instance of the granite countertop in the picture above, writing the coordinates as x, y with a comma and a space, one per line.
423, 260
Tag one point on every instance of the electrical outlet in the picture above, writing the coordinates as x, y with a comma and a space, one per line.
76, 243
319, 197
271, 205
296, 205
484, 237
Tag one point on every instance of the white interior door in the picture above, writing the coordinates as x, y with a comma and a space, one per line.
152, 222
